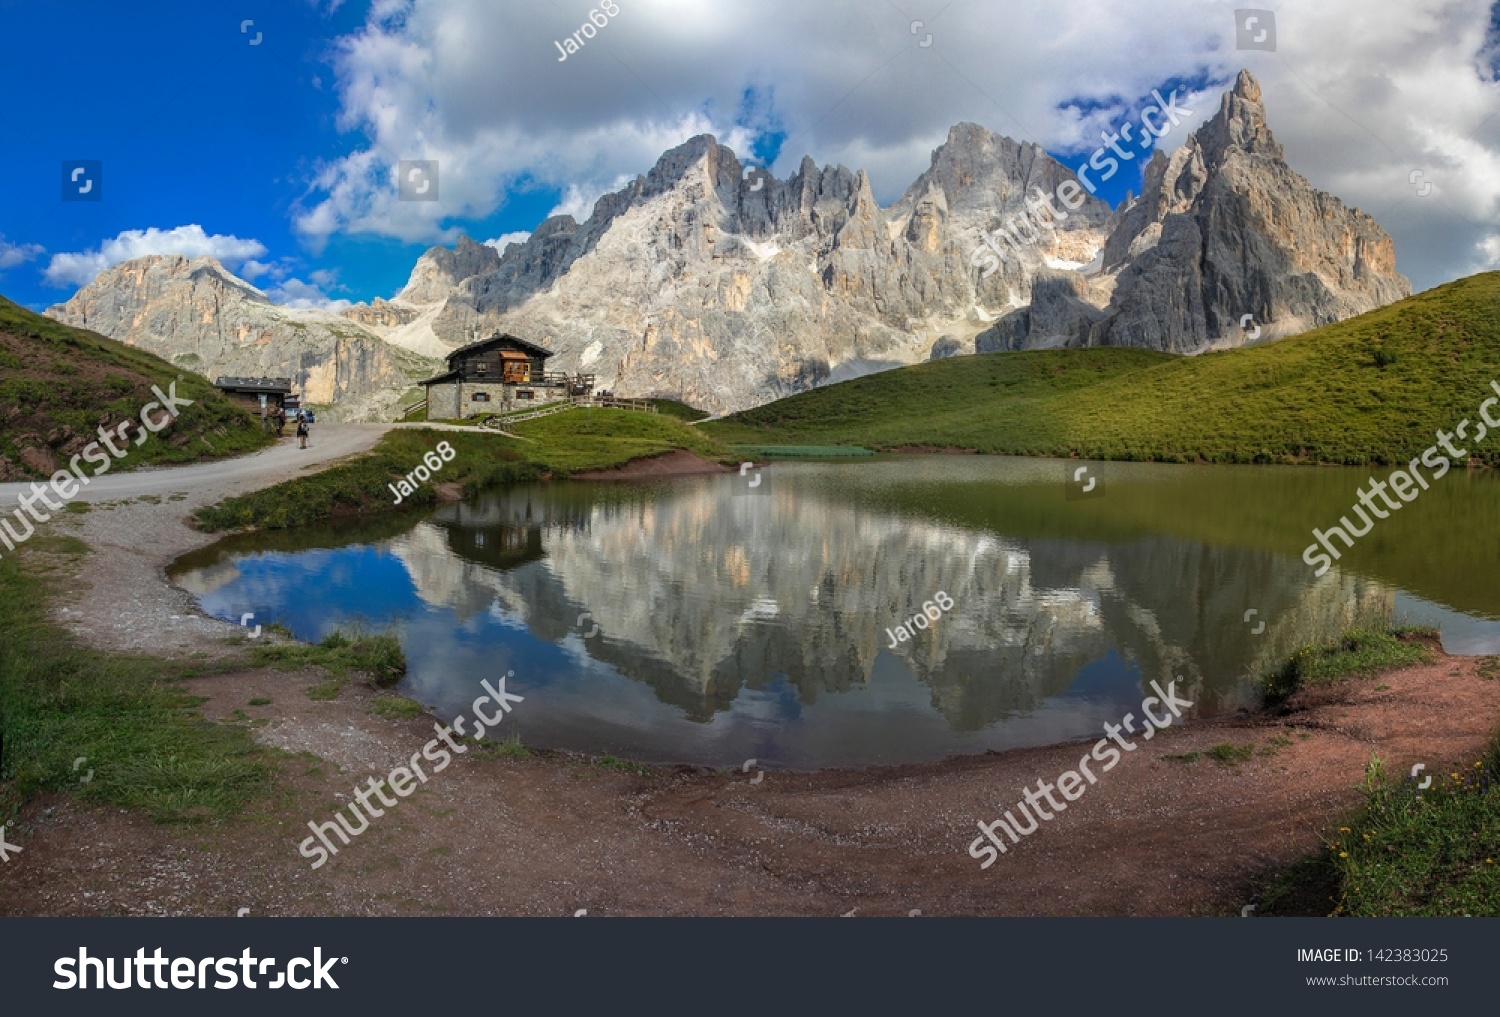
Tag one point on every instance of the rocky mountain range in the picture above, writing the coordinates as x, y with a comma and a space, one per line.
199, 316
716, 283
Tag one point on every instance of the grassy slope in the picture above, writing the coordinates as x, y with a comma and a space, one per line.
143, 737
1319, 397
560, 444
595, 439
59, 384
680, 410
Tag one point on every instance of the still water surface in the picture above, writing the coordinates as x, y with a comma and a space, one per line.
700, 620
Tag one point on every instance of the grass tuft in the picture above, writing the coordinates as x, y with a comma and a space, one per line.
397, 708
1230, 754
509, 747
623, 765
1359, 653
325, 691
377, 654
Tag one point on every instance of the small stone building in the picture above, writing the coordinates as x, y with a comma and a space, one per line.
496, 375
256, 394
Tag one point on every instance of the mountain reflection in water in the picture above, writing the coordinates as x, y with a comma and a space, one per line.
682, 621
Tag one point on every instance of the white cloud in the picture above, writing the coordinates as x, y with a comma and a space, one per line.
306, 296
12, 255
1359, 92
1489, 254
499, 243
253, 270
79, 268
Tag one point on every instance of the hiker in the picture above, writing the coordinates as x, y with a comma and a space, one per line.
302, 432
280, 420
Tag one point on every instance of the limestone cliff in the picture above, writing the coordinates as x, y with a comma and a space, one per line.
718, 284
196, 314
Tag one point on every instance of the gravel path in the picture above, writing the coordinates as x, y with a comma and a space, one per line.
282, 461
137, 526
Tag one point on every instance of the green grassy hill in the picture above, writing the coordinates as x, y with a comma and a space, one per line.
1372, 389
682, 411
572, 441
59, 384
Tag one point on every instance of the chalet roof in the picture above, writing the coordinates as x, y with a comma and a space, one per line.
282, 385
496, 340
449, 376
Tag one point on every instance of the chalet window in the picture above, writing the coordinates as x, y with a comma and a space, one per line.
480, 397
482, 368
525, 393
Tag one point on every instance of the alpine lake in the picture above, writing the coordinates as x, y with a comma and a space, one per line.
716, 619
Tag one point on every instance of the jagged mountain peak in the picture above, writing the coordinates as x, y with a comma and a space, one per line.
979, 170
440, 269
1246, 86
1225, 231
1239, 126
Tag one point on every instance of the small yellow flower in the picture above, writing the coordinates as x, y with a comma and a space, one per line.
1343, 829
1343, 854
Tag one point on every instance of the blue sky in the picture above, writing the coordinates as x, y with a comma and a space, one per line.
279, 154
193, 125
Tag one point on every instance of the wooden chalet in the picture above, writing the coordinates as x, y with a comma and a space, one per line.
498, 374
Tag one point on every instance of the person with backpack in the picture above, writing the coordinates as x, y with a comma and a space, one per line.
302, 432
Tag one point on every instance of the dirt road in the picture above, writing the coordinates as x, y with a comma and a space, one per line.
282, 461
